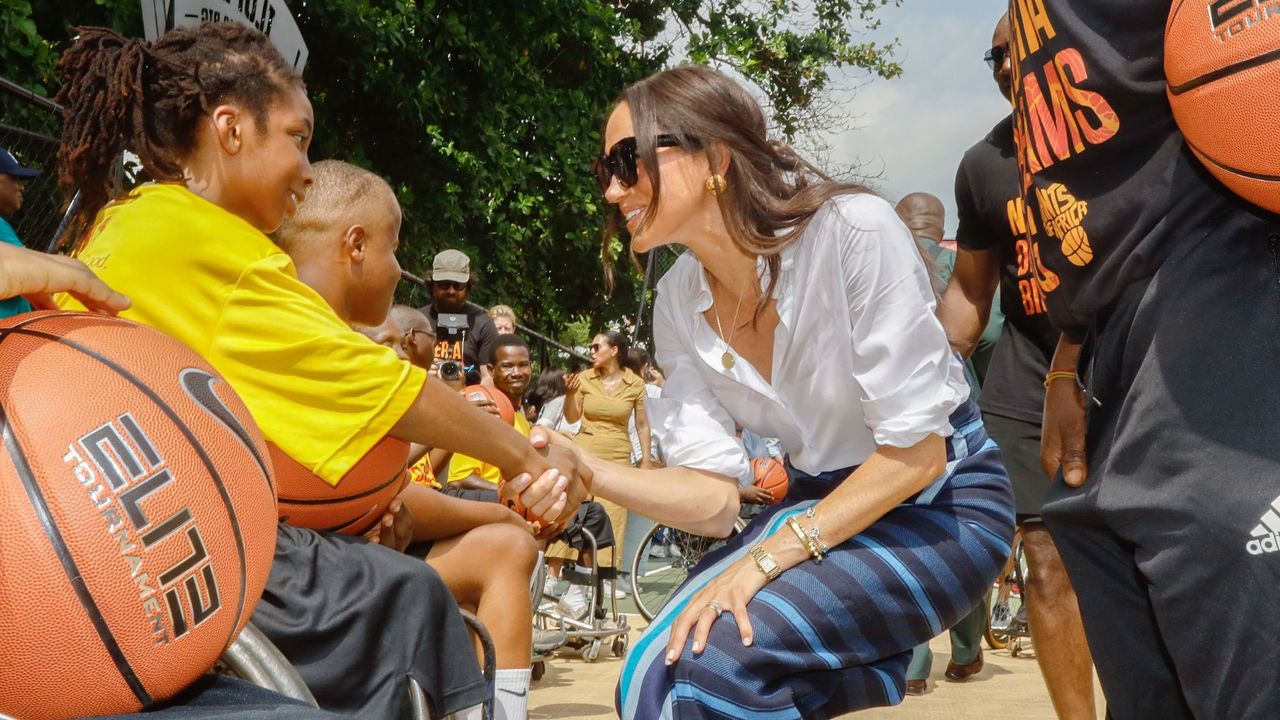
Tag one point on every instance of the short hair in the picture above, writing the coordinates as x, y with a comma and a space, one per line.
506, 341
412, 318
505, 311
641, 357
341, 193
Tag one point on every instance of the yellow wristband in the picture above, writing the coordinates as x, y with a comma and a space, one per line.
1058, 375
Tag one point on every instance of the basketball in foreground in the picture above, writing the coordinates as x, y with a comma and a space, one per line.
137, 511
355, 503
771, 475
1222, 63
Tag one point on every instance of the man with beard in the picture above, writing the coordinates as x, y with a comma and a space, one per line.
465, 333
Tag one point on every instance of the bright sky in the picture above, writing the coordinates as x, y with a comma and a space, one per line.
912, 131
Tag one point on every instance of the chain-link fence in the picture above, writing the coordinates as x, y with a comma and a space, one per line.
29, 127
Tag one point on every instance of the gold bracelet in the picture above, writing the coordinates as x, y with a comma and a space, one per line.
1058, 375
805, 540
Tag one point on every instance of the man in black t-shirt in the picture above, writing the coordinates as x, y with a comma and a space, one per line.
1167, 289
994, 252
473, 336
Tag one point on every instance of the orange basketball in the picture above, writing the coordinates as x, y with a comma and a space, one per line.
1222, 69
355, 503
771, 475
137, 516
505, 409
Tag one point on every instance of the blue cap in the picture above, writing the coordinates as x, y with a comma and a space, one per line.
9, 165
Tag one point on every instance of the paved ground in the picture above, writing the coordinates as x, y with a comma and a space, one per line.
1007, 687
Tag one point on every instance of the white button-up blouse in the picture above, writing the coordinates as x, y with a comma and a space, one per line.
859, 359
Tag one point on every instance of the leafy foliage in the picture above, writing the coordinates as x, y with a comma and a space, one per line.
486, 116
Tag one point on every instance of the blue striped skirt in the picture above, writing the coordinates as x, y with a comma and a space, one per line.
835, 637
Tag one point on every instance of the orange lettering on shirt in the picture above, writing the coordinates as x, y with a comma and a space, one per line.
1032, 27
1021, 223
1023, 250
1032, 298
1071, 68
1066, 120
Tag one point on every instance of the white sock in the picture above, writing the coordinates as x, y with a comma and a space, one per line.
584, 570
511, 698
475, 712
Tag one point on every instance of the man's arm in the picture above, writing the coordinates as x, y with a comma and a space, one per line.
965, 306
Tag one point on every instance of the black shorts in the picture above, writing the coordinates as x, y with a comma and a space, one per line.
1019, 443
216, 697
357, 619
1172, 543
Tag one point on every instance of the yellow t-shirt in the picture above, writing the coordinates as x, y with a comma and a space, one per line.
322, 392
462, 467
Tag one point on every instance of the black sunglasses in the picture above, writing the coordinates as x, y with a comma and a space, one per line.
620, 161
996, 56
450, 285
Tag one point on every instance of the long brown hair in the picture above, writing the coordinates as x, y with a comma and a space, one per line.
127, 94
772, 193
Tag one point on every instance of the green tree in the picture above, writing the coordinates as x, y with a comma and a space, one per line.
486, 116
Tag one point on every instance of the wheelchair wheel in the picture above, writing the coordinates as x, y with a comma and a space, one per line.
663, 561
1005, 602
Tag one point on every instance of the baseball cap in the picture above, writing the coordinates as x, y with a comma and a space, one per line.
451, 266
9, 165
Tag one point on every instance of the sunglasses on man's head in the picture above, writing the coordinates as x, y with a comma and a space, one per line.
995, 57
620, 161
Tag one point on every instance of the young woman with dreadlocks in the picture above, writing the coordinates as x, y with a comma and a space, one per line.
222, 125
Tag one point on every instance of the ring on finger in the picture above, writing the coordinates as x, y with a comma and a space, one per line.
715, 607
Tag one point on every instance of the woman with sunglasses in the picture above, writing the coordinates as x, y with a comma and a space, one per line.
605, 398
801, 311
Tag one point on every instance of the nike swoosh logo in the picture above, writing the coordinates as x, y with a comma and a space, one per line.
522, 693
199, 387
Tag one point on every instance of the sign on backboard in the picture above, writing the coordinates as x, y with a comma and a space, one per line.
272, 17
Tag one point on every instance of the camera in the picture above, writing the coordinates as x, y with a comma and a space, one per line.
450, 370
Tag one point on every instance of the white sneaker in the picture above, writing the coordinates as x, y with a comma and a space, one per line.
618, 592
550, 586
573, 603
658, 551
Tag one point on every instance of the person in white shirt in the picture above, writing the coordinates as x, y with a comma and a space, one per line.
801, 311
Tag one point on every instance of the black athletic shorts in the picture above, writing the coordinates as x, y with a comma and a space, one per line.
357, 619
1019, 443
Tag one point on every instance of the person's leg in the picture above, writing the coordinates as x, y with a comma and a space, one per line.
1194, 468
356, 619
618, 523
821, 628
488, 569
1054, 618
966, 644
919, 669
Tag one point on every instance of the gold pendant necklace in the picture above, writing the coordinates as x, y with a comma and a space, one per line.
727, 359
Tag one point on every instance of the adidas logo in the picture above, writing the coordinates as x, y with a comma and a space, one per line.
1266, 536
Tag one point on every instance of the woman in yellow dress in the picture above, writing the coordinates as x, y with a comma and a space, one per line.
604, 398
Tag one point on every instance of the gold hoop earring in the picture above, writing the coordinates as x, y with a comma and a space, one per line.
716, 184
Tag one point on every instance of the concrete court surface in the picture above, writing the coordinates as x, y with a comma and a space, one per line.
1007, 687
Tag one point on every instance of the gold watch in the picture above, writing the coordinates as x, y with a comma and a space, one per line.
765, 562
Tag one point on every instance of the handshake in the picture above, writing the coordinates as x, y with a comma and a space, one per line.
550, 492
